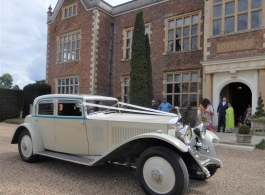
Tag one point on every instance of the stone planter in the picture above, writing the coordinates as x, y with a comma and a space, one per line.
257, 127
243, 138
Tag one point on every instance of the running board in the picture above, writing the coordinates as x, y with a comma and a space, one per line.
67, 157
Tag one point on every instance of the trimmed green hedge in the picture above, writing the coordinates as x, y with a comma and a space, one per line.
11, 103
32, 91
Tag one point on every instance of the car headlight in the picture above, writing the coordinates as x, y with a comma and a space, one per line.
200, 130
179, 126
184, 134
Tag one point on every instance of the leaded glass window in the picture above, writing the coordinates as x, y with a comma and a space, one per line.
237, 15
186, 30
68, 85
128, 34
69, 11
69, 47
182, 88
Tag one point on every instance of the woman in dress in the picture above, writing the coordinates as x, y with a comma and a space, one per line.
230, 120
247, 113
204, 115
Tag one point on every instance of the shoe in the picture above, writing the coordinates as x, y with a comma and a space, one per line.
218, 131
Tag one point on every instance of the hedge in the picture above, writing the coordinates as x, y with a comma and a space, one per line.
32, 91
11, 103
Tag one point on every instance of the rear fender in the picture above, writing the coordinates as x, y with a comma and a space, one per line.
34, 133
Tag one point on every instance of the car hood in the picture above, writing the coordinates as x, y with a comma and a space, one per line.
139, 118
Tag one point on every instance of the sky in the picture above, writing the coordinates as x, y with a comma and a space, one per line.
23, 38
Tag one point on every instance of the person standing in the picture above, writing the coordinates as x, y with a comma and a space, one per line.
153, 104
211, 112
230, 119
204, 115
165, 106
247, 113
222, 106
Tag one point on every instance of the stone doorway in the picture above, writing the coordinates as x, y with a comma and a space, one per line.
239, 95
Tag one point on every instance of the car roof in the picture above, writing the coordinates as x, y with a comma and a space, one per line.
76, 96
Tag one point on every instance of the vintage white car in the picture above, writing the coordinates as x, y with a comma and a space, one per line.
95, 130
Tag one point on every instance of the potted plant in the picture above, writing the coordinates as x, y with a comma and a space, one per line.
258, 119
243, 134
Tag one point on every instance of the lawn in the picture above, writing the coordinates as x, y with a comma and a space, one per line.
15, 120
261, 145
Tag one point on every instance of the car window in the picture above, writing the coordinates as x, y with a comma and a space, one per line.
45, 107
91, 109
68, 108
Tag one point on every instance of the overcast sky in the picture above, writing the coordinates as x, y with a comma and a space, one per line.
23, 32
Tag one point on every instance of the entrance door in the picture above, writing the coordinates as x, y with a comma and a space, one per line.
239, 95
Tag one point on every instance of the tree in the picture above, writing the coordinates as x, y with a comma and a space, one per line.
41, 82
138, 75
16, 87
149, 68
259, 109
6, 81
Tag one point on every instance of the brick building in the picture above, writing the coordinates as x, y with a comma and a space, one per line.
234, 52
198, 47
89, 47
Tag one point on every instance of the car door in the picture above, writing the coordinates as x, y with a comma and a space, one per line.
44, 120
70, 130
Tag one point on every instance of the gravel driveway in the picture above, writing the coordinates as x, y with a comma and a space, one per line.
243, 173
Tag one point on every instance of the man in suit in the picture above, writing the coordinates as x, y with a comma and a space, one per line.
221, 114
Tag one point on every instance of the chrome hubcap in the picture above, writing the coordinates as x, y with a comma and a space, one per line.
24, 146
157, 175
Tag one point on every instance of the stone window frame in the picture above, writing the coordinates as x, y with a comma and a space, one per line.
224, 16
182, 16
171, 95
67, 85
127, 40
69, 44
69, 11
125, 83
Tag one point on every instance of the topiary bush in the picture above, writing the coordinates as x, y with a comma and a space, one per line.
243, 129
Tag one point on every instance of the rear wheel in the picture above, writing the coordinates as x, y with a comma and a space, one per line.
25, 147
162, 171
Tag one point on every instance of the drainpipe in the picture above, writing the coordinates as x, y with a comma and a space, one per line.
111, 56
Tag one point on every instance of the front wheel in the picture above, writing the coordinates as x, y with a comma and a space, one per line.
25, 147
162, 171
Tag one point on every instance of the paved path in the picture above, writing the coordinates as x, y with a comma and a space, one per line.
228, 140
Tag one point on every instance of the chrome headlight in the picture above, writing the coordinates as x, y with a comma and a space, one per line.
179, 126
184, 134
200, 130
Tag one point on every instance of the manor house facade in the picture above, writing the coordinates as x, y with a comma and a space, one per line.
209, 48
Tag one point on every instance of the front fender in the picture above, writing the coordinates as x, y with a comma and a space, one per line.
164, 137
34, 133
134, 146
212, 154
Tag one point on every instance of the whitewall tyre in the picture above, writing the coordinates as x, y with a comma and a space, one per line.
25, 147
161, 171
